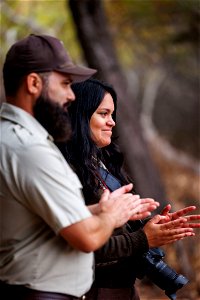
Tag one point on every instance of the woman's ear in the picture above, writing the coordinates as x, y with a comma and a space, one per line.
34, 84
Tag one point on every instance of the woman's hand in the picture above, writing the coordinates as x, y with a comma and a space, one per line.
180, 213
161, 231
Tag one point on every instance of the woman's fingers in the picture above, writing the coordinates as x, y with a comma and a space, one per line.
182, 212
192, 218
166, 210
171, 239
173, 224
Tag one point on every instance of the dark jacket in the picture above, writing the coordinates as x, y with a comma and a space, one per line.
116, 262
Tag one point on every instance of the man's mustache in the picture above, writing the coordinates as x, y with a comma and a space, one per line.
66, 106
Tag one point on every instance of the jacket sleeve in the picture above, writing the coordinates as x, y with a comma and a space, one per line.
122, 245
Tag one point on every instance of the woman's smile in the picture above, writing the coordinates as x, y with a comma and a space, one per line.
101, 122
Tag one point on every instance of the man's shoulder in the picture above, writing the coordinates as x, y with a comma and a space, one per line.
17, 136
19, 127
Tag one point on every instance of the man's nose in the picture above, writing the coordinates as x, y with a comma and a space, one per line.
70, 95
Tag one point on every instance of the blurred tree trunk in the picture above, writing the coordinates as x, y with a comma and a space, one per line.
96, 41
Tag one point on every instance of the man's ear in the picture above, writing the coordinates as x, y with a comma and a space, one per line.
34, 84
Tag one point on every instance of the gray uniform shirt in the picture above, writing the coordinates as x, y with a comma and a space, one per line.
39, 195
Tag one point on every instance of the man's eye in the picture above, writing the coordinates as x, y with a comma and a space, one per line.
66, 82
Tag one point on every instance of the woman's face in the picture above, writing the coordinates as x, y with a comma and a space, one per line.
101, 122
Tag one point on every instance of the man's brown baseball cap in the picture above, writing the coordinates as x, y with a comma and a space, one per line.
42, 53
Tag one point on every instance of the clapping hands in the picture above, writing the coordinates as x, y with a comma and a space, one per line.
169, 227
180, 213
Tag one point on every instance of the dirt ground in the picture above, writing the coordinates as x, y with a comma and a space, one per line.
183, 189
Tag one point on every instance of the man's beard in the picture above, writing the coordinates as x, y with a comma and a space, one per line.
54, 118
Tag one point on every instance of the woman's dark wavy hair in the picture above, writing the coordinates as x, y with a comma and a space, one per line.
81, 150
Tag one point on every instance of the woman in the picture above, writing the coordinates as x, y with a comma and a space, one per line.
98, 163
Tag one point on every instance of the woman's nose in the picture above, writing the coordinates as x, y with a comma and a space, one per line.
111, 122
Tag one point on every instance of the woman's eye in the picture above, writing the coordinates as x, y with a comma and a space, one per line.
103, 113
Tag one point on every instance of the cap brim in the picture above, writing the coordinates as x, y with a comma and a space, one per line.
77, 73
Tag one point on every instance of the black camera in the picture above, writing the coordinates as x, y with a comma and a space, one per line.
152, 266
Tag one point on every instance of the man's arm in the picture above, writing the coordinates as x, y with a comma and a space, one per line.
115, 209
91, 233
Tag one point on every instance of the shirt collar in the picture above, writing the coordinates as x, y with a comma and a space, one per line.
21, 117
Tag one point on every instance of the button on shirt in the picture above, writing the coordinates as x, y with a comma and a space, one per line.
39, 195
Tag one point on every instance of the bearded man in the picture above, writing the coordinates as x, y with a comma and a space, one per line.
48, 235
